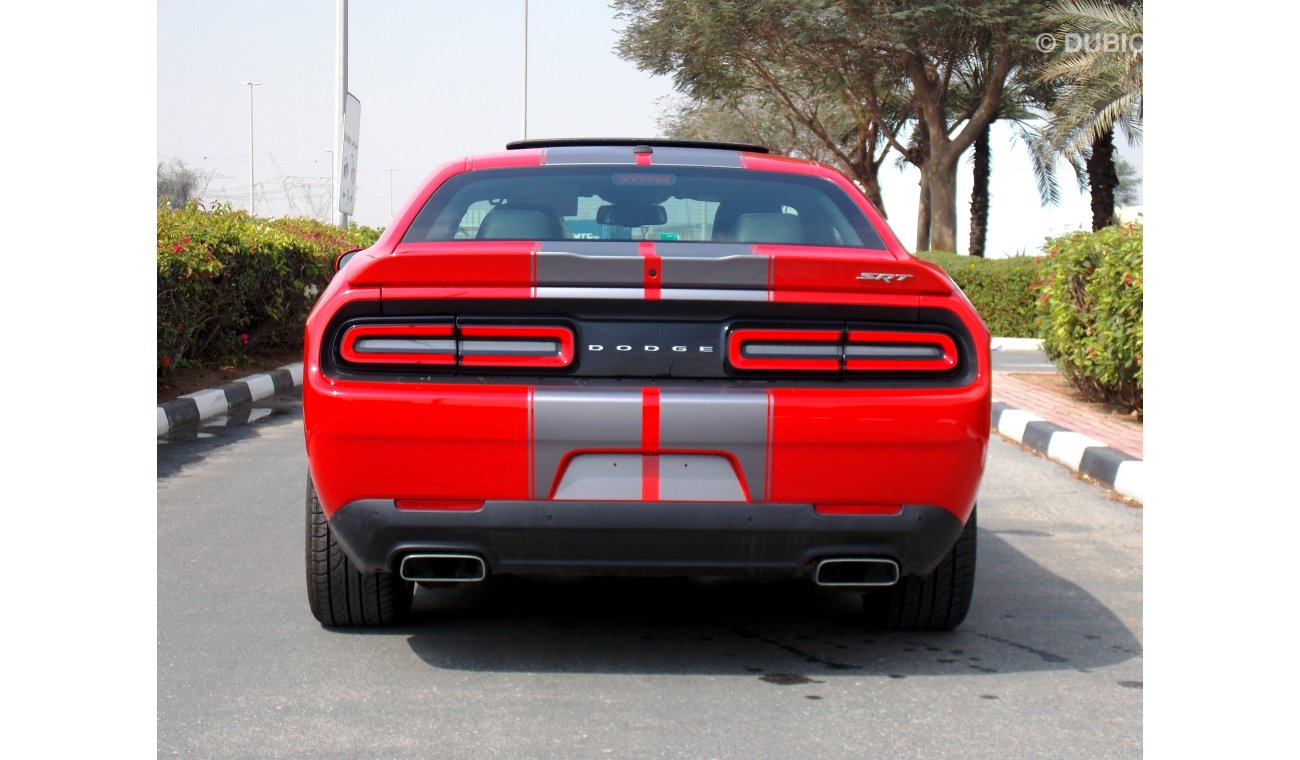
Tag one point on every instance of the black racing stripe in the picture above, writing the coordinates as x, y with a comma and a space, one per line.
1102, 463
590, 154
670, 156
1038, 434
733, 273
690, 249
581, 269
620, 248
180, 412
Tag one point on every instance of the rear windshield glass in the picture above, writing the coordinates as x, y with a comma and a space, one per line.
651, 203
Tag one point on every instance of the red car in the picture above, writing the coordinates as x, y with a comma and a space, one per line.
643, 357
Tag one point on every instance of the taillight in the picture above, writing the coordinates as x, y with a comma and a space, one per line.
447, 345
400, 344
807, 350
875, 350
516, 346
829, 350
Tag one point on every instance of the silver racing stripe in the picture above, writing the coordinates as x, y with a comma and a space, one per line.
566, 419
734, 422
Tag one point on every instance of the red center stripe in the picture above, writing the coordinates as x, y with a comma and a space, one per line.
650, 444
653, 269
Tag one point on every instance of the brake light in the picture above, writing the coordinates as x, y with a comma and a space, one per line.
400, 344
447, 345
807, 350
875, 350
516, 346
829, 350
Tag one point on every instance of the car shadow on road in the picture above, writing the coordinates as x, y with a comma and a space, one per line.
1024, 618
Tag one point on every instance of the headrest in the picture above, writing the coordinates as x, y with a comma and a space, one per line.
768, 228
516, 222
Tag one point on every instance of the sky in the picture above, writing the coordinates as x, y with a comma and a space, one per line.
438, 80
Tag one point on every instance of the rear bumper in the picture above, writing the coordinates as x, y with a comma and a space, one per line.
644, 538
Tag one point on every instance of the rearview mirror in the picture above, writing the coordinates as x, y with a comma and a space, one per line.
632, 215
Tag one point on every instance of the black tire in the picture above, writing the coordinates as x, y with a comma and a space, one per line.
340, 595
937, 602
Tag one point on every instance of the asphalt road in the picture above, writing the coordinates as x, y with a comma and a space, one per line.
1021, 361
1049, 663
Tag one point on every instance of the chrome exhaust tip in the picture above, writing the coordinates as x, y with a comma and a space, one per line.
856, 571
443, 568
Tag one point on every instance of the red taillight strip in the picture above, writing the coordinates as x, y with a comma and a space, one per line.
405, 333
562, 357
762, 349
946, 360
740, 338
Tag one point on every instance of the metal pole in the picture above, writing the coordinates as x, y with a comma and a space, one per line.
525, 127
340, 102
390, 191
252, 198
329, 207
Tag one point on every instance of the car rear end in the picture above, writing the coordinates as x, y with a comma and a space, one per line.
646, 359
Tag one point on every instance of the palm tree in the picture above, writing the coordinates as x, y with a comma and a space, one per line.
1098, 87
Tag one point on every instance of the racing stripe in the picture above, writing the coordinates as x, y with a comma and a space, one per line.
653, 270
565, 419
667, 155
589, 154
589, 264
650, 444
732, 422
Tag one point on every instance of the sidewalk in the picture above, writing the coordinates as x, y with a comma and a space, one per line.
1079, 416
1046, 417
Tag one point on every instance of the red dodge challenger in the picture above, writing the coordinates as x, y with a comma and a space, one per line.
643, 357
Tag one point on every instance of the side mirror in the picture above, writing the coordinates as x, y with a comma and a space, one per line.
344, 258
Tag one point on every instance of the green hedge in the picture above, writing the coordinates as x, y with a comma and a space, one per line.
1091, 309
1004, 291
230, 284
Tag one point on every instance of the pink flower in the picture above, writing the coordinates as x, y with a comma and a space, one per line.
243, 338
166, 362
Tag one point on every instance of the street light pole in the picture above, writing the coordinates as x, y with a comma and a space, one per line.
525, 126
390, 191
340, 105
329, 210
252, 199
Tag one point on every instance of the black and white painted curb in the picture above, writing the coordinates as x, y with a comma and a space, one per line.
196, 407
1111, 467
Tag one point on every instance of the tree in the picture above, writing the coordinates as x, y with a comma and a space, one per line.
774, 53
1097, 74
867, 55
754, 118
178, 183
1126, 191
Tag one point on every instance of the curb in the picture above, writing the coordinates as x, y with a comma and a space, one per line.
1016, 344
201, 405
1120, 472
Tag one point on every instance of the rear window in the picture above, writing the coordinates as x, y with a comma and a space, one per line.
627, 203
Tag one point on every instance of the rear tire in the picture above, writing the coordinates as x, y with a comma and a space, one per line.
340, 595
937, 602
